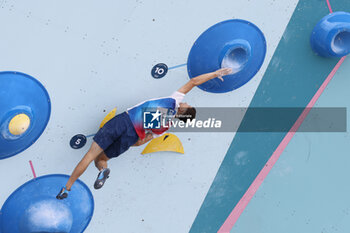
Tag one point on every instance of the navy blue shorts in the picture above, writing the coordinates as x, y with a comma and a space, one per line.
117, 135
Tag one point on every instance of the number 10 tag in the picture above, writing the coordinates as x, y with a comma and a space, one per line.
159, 70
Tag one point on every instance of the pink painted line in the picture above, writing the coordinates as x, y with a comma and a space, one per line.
329, 6
32, 167
242, 204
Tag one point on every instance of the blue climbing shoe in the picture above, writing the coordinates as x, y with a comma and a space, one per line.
101, 178
62, 194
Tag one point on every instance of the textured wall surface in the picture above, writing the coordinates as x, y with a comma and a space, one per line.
94, 56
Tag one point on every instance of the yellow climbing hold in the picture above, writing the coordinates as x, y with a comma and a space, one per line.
19, 124
167, 142
109, 116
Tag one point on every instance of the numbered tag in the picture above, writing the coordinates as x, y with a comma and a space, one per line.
78, 141
159, 70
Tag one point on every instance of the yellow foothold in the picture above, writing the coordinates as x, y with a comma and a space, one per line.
167, 142
19, 124
109, 116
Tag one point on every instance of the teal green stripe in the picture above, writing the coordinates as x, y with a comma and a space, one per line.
291, 79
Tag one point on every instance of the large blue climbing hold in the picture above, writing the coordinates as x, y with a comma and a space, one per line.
33, 207
236, 44
331, 36
24, 112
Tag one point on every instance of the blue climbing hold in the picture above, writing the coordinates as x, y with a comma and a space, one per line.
46, 215
33, 207
24, 112
237, 44
331, 36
